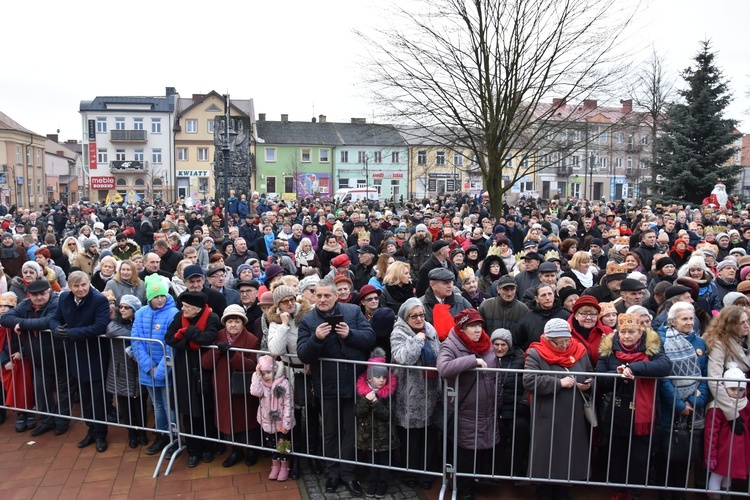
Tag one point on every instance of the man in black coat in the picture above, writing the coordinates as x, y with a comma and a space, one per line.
351, 339
82, 316
195, 280
440, 258
169, 258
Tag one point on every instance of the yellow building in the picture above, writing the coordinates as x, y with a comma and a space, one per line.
22, 178
194, 142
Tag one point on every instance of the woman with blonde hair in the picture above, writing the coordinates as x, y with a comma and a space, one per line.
106, 271
126, 282
381, 267
397, 286
580, 271
71, 248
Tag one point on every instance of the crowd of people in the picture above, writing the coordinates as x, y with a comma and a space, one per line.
584, 307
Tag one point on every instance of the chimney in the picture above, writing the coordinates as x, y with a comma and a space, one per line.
71, 141
52, 137
261, 117
627, 106
359, 121
589, 104
284, 118
558, 103
321, 118
198, 97
60, 153
170, 91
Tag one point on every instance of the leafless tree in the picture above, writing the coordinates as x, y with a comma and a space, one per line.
482, 70
651, 92
296, 168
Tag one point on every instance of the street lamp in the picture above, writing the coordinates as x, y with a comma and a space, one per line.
229, 136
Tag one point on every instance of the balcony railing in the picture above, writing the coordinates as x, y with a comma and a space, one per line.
128, 136
127, 166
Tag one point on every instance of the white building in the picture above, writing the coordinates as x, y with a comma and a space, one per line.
128, 145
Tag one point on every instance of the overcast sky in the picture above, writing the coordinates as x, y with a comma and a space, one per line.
290, 56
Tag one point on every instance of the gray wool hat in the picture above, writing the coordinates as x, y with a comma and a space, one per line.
557, 328
408, 306
131, 301
504, 335
88, 242
421, 227
731, 297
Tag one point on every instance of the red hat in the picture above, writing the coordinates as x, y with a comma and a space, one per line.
367, 290
342, 278
586, 300
467, 317
341, 260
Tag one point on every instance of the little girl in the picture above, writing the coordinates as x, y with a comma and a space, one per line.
724, 436
376, 433
276, 410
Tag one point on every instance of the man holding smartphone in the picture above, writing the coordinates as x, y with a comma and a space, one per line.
337, 331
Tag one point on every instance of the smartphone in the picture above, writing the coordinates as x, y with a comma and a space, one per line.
334, 320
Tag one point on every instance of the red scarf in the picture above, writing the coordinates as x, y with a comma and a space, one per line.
644, 390
554, 356
481, 346
200, 324
442, 320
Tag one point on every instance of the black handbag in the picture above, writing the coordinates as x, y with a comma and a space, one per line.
682, 440
239, 383
203, 382
617, 412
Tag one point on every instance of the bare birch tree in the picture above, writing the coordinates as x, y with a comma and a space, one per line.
485, 71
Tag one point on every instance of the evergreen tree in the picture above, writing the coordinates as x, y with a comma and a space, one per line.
695, 142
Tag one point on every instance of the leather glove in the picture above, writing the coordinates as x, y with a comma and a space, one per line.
223, 346
62, 332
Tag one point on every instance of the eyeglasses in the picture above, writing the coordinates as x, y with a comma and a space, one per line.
417, 316
587, 315
245, 292
371, 299
559, 342
288, 300
122, 306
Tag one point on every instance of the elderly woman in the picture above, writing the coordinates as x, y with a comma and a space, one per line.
560, 440
586, 327
30, 271
232, 372
344, 292
633, 351
308, 262
515, 415
414, 342
478, 397
697, 272
369, 300
126, 282
107, 269
683, 399
195, 326
283, 328
580, 271
568, 296
397, 286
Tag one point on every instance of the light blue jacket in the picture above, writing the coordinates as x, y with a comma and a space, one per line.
152, 323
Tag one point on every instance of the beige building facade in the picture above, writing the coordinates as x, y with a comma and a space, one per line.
22, 178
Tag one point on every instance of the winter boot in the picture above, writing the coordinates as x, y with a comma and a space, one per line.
20, 422
284, 471
275, 466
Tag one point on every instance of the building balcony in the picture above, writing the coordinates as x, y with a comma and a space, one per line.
127, 166
634, 148
128, 136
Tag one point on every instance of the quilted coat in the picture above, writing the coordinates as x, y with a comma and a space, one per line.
276, 410
152, 323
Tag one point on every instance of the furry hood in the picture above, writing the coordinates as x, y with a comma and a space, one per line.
363, 388
303, 307
415, 242
652, 345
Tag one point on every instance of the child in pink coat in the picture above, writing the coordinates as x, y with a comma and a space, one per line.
727, 438
276, 410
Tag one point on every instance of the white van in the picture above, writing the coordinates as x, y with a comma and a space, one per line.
356, 194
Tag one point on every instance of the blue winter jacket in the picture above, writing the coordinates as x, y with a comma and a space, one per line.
152, 323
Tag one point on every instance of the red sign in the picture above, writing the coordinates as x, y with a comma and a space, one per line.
92, 156
104, 182
378, 175
398, 175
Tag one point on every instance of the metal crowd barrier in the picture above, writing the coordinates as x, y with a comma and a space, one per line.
429, 447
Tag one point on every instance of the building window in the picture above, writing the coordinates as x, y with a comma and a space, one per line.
644, 139
119, 123
28, 157
203, 183
378, 184
458, 159
120, 154
138, 155
422, 157
603, 137
202, 154
324, 155
19, 155
620, 137
122, 182
101, 125
156, 155
191, 126
395, 157
345, 157
38, 158
270, 155
140, 182
361, 183
38, 187
602, 162
361, 156
440, 158
288, 184
271, 184
101, 156
618, 162
344, 182
210, 126
395, 189
629, 163
182, 154
137, 123
156, 125
377, 157
306, 155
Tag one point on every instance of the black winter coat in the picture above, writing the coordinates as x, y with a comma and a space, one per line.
37, 344
531, 326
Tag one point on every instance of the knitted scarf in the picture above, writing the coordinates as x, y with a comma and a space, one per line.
644, 389
587, 280
200, 324
481, 346
555, 356
684, 362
